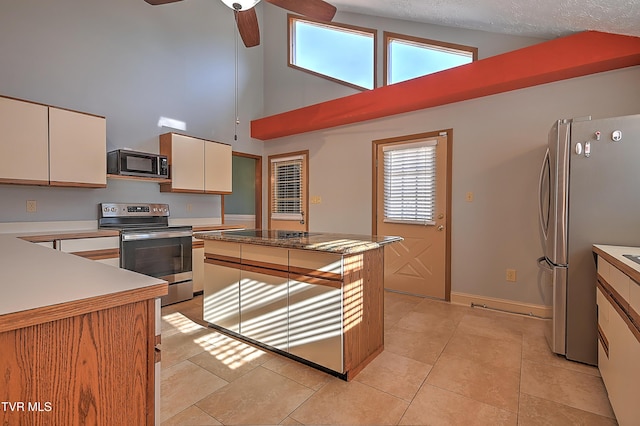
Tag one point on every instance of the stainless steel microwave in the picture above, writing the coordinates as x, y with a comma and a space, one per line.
133, 163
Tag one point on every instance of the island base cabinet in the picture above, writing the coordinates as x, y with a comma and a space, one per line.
320, 307
315, 324
95, 368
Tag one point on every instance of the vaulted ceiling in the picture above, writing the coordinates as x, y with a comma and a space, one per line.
534, 18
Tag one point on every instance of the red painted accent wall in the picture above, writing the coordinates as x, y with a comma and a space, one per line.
559, 59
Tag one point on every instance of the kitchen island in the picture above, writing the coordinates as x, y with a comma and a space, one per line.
78, 339
315, 297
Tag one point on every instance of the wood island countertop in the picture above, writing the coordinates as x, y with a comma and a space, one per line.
318, 241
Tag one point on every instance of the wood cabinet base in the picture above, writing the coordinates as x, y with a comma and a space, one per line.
94, 368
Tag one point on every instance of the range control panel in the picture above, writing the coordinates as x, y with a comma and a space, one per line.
133, 210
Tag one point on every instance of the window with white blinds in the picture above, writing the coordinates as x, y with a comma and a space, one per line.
410, 182
286, 190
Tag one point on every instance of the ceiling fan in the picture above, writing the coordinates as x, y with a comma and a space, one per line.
247, 20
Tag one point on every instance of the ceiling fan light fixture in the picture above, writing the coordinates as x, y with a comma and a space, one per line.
240, 5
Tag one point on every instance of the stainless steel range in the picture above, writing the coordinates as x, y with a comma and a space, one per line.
150, 246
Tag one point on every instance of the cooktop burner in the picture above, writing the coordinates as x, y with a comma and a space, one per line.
264, 233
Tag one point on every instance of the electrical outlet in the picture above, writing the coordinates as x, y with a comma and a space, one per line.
189, 207
32, 206
511, 275
469, 197
316, 199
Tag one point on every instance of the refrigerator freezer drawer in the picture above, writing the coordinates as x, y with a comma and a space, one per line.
554, 282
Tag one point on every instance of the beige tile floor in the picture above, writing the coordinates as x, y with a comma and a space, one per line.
442, 365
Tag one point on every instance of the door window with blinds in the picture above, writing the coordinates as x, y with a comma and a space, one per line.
287, 188
410, 182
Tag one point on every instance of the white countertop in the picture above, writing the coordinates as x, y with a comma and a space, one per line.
35, 277
616, 253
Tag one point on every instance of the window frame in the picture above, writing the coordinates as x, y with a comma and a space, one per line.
388, 37
417, 161
277, 161
291, 18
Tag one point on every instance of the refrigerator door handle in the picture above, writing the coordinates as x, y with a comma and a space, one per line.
544, 265
543, 225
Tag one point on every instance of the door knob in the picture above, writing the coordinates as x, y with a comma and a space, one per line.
441, 227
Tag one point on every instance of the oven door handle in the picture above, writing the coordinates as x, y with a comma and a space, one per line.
133, 236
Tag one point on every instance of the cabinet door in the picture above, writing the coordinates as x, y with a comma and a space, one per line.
221, 304
187, 164
197, 260
263, 308
218, 158
77, 149
24, 147
627, 361
315, 322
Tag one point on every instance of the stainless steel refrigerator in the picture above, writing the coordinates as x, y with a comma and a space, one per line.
589, 194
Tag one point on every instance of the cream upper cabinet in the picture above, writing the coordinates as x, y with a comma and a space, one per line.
186, 162
44, 145
217, 160
24, 151
196, 165
77, 149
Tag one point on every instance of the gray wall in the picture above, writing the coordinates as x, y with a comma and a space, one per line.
498, 146
133, 63
243, 200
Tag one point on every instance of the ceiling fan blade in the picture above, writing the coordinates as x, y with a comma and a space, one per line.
315, 9
247, 22
159, 2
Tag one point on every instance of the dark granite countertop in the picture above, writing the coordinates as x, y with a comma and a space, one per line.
318, 241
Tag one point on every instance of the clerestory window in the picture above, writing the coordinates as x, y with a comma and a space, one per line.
341, 53
407, 57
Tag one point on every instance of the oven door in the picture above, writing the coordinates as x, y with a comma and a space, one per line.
164, 254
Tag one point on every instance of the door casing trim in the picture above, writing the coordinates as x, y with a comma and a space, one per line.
448, 177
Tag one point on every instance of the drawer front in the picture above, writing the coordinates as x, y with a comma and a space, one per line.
89, 244
317, 264
620, 282
265, 256
604, 310
634, 301
604, 268
222, 248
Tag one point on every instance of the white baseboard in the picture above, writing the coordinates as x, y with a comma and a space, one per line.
502, 304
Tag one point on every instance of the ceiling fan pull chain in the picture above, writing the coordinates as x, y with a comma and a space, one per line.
235, 42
